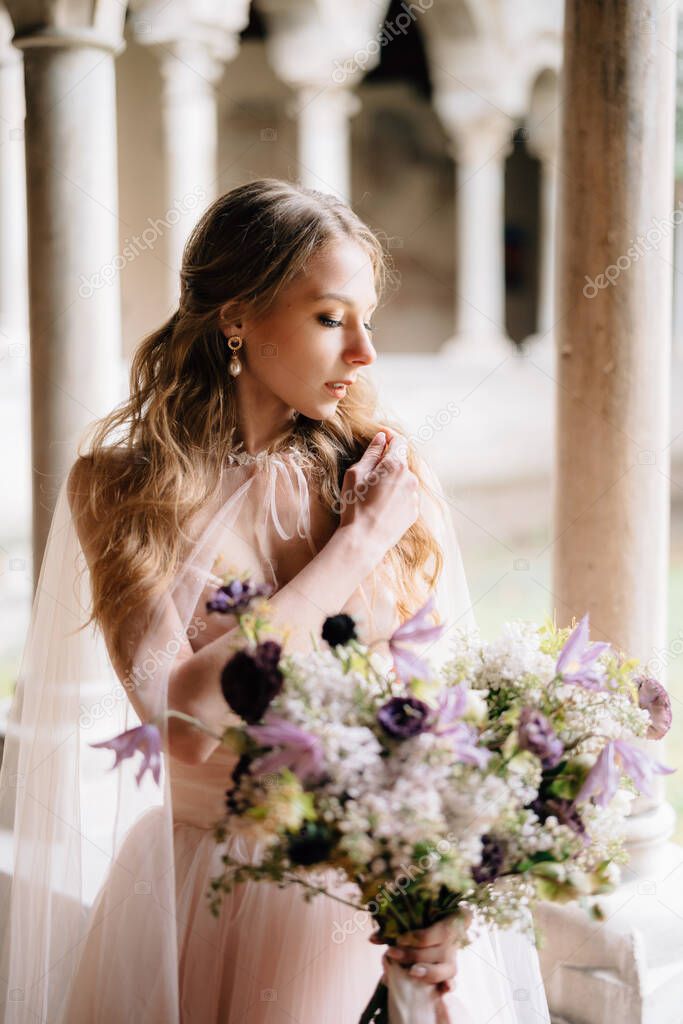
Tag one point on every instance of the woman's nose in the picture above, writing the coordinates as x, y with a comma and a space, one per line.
362, 352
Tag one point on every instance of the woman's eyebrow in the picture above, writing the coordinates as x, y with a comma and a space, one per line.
346, 299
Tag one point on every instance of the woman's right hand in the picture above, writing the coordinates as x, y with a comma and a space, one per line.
380, 494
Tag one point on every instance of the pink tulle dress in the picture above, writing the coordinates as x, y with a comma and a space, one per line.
143, 945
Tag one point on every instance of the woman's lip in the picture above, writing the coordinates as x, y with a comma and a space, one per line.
337, 392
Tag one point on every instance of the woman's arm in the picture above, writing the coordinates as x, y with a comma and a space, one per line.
321, 589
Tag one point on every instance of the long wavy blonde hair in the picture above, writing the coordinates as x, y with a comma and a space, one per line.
177, 427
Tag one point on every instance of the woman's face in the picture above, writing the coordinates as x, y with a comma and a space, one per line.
316, 334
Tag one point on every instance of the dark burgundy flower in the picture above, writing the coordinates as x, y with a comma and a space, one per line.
558, 807
536, 734
250, 681
236, 596
240, 769
653, 698
403, 717
492, 857
339, 629
311, 844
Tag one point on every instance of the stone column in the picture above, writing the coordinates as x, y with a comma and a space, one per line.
678, 277
193, 43
190, 74
611, 523
543, 143
323, 114
73, 239
480, 145
321, 52
13, 255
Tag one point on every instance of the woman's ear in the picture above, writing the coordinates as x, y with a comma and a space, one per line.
227, 322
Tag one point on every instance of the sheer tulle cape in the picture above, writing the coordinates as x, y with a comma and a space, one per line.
98, 899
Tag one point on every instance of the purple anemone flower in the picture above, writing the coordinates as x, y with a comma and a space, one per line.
536, 734
403, 717
413, 630
653, 698
300, 751
577, 662
619, 758
236, 596
147, 739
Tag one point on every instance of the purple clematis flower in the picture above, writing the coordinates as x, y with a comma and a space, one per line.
413, 630
619, 758
145, 738
236, 596
653, 698
452, 704
300, 751
447, 722
537, 735
465, 740
577, 662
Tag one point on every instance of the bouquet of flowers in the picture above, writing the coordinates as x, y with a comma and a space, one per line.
462, 794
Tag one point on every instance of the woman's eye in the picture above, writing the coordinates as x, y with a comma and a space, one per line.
329, 321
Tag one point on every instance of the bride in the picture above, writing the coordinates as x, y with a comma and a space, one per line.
251, 443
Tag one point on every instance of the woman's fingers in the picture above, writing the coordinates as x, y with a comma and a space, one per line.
433, 974
432, 936
423, 955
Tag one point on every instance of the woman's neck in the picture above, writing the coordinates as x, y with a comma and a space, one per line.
263, 418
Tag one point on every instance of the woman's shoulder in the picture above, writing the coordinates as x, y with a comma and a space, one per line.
88, 475
109, 460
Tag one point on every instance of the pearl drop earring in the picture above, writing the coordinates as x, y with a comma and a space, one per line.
234, 344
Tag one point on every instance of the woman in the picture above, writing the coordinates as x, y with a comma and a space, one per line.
250, 443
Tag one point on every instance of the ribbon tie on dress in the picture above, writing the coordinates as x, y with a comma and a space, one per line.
278, 466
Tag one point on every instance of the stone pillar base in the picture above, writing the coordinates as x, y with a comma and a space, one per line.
627, 968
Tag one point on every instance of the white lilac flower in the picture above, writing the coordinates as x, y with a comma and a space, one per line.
514, 655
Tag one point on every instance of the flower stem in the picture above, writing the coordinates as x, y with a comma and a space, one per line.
324, 892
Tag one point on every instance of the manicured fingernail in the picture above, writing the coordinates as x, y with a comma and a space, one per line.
418, 970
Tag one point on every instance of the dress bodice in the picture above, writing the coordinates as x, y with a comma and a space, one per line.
268, 521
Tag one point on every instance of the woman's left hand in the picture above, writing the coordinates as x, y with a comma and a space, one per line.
429, 953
